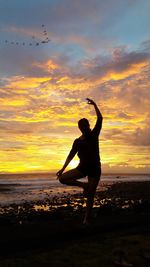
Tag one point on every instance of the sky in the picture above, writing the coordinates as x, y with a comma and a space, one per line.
94, 48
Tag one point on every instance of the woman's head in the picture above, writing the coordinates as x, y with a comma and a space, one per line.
84, 126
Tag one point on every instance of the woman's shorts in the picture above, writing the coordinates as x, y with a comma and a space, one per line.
93, 171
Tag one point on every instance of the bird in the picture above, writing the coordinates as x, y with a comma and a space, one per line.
44, 40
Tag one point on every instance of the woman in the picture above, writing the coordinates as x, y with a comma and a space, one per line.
87, 149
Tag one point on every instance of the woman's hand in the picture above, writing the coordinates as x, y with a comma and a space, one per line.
90, 101
59, 173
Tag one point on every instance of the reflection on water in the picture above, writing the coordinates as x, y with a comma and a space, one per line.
58, 208
68, 200
79, 203
41, 207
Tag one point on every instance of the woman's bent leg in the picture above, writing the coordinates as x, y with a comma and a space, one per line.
70, 178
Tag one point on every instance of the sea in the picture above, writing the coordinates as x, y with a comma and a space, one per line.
24, 188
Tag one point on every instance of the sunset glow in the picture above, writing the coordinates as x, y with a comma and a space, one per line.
97, 50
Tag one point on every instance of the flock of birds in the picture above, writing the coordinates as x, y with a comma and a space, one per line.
34, 42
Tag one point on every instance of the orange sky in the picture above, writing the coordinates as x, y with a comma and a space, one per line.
43, 89
40, 116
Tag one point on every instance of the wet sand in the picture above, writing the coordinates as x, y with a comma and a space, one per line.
50, 232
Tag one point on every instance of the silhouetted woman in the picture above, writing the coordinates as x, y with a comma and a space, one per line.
87, 149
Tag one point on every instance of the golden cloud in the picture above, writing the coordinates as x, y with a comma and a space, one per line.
13, 102
41, 123
49, 65
26, 82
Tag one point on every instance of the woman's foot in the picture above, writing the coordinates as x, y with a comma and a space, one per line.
86, 222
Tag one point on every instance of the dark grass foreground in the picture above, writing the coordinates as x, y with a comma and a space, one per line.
50, 233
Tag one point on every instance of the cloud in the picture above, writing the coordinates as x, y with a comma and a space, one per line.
77, 28
146, 46
122, 65
39, 113
140, 137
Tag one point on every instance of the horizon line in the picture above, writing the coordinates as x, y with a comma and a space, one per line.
54, 172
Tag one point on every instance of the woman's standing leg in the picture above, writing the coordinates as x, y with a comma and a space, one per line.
92, 185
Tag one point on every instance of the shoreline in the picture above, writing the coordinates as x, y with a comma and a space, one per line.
24, 191
113, 195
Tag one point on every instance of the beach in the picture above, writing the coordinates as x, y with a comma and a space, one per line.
49, 231
21, 188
